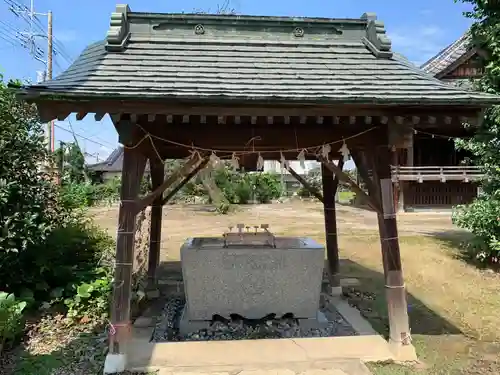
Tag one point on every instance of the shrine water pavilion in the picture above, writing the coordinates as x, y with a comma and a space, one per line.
193, 85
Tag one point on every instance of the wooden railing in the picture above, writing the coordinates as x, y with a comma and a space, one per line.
443, 174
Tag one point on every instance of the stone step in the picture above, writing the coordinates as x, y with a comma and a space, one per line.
254, 354
338, 367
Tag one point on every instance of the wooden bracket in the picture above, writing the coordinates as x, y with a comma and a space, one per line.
361, 162
354, 186
186, 179
192, 162
306, 184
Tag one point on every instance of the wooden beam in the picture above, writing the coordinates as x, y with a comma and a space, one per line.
361, 161
99, 116
132, 172
51, 109
80, 116
61, 116
354, 186
186, 179
306, 184
330, 185
179, 173
157, 171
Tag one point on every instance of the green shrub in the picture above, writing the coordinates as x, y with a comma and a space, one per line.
91, 299
242, 190
267, 186
80, 195
241, 187
48, 249
76, 195
482, 219
11, 318
69, 255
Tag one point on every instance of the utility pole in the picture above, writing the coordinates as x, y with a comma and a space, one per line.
50, 126
28, 41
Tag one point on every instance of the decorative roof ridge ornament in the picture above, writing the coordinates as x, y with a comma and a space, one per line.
376, 39
119, 29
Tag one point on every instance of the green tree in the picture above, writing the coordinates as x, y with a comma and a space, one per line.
27, 195
70, 162
482, 217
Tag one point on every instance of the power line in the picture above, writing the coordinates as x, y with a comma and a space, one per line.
83, 137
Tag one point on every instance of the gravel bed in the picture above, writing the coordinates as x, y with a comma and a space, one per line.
167, 330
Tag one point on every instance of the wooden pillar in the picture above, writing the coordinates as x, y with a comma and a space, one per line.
410, 151
330, 185
395, 185
133, 168
157, 175
399, 332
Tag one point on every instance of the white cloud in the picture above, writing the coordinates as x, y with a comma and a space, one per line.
418, 44
66, 36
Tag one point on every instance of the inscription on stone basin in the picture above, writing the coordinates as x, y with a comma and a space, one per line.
264, 262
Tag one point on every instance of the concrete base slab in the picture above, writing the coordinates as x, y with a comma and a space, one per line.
349, 281
153, 293
402, 353
115, 363
341, 367
320, 322
146, 355
353, 317
336, 291
187, 326
277, 355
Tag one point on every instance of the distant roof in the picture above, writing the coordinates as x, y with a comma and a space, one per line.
113, 163
249, 59
448, 56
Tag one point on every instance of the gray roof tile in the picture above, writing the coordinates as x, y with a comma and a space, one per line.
251, 58
113, 163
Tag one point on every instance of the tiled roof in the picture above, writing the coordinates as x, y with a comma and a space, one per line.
447, 56
113, 162
249, 58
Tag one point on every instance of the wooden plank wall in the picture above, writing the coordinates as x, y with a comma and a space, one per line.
435, 193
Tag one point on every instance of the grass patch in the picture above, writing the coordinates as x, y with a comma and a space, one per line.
345, 196
453, 307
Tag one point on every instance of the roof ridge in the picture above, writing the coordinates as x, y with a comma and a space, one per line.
375, 38
115, 154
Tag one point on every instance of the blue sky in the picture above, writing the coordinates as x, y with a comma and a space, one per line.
418, 29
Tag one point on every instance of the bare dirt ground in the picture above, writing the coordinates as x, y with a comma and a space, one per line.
291, 218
